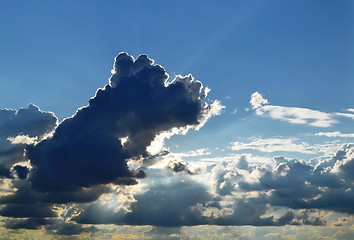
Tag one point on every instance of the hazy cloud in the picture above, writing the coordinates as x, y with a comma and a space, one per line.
274, 145
335, 134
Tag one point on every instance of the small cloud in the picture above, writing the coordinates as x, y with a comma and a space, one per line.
23, 139
179, 166
257, 100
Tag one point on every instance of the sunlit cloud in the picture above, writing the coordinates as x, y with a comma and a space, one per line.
294, 115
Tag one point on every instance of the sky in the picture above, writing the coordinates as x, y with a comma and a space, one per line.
176, 119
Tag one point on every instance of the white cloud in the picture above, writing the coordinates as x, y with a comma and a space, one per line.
193, 153
257, 100
274, 145
294, 115
22, 139
251, 158
335, 134
350, 109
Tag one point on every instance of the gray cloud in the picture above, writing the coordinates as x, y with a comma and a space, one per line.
180, 166
28, 122
166, 205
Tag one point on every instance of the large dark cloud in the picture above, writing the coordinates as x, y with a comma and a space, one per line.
88, 152
138, 104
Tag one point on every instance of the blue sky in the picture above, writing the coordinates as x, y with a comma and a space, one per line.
281, 80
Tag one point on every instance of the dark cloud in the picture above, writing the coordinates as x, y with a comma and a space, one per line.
170, 205
26, 195
247, 213
4, 172
69, 229
137, 105
28, 210
162, 233
88, 152
25, 123
29, 121
21, 171
166, 205
29, 223
179, 166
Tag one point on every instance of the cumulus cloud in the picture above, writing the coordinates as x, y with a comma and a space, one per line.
305, 189
294, 115
138, 105
302, 185
87, 154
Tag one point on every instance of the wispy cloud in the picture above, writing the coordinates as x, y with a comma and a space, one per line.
335, 134
274, 145
348, 115
295, 115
